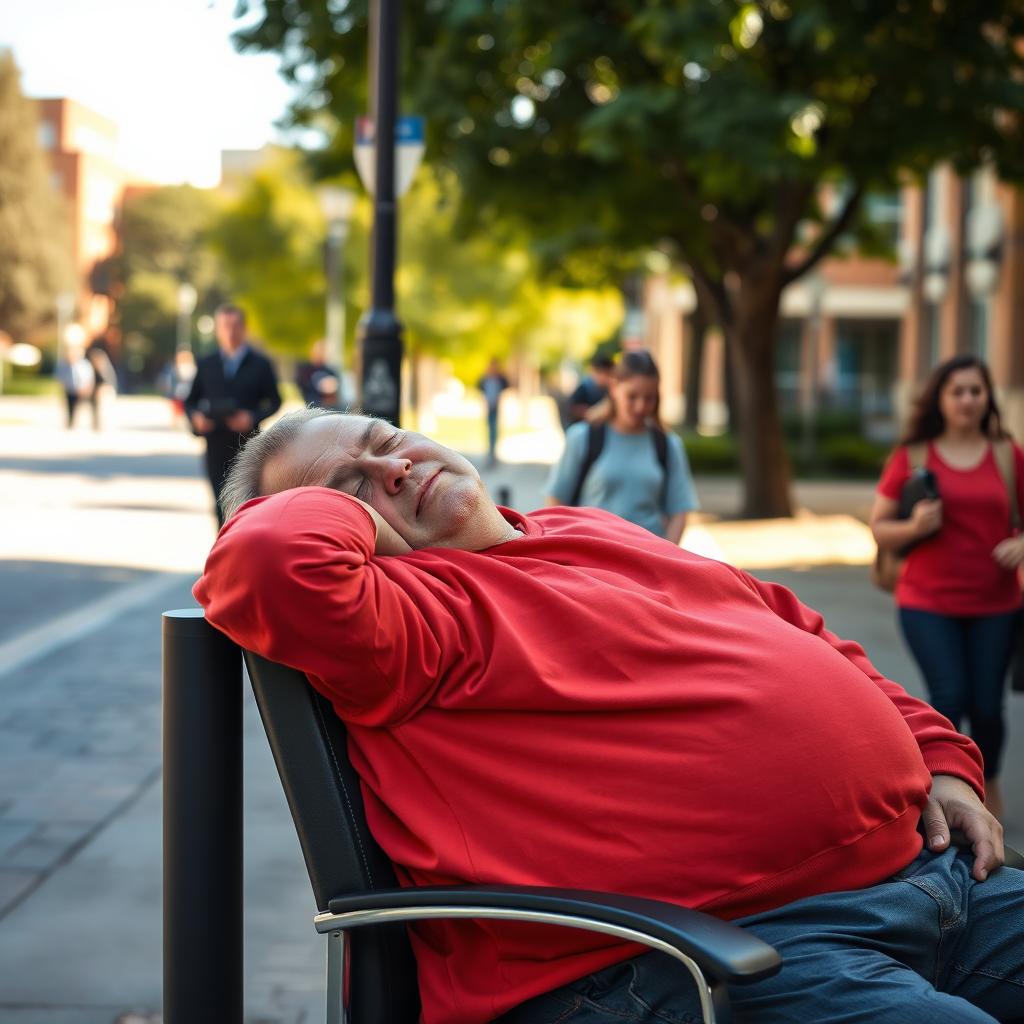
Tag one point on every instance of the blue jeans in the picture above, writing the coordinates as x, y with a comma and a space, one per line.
927, 945
964, 662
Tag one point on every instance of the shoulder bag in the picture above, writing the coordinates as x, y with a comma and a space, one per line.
885, 570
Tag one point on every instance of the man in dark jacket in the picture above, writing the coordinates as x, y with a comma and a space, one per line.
234, 389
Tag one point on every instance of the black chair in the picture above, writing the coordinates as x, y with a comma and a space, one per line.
355, 886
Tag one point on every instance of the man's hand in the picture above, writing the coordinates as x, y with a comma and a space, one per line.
954, 804
1009, 553
389, 541
240, 421
202, 424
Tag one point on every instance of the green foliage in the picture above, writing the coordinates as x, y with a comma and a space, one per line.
851, 455
163, 244
838, 455
270, 240
707, 123
34, 229
470, 298
705, 128
713, 455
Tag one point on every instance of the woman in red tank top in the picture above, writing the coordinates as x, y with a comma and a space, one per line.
958, 593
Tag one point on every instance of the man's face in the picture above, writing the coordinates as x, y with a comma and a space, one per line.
230, 331
427, 493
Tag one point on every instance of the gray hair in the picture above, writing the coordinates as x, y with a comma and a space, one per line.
243, 479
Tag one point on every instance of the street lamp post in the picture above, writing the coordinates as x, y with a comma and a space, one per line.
815, 285
337, 205
187, 297
380, 329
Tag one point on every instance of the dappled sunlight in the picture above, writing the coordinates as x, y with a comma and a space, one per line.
800, 542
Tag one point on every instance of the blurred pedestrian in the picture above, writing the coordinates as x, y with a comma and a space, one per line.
319, 382
105, 387
958, 591
492, 384
234, 389
626, 462
592, 389
77, 377
176, 382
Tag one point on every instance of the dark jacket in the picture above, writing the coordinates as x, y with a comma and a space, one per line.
253, 387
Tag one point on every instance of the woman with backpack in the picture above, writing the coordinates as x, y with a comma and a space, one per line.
958, 591
623, 460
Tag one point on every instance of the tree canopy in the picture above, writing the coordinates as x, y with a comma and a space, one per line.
703, 127
163, 245
34, 232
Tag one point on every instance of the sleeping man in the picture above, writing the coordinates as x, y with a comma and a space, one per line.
563, 699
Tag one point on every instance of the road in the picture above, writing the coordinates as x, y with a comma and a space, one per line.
100, 532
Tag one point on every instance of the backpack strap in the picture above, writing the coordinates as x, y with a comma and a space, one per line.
1002, 449
595, 442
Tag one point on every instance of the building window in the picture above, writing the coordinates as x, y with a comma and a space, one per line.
47, 135
885, 211
978, 327
788, 356
930, 335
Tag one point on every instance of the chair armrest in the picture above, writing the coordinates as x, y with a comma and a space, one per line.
722, 950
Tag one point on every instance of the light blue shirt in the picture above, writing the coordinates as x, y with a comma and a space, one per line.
626, 478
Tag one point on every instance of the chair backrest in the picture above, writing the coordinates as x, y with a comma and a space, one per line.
310, 747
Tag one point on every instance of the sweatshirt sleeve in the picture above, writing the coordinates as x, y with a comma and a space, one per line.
945, 751
292, 577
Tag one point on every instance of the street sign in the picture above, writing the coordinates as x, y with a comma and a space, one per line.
409, 146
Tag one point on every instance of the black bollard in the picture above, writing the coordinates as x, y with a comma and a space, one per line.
202, 736
504, 495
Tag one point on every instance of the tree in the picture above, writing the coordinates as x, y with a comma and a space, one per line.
461, 299
35, 263
270, 239
705, 126
164, 244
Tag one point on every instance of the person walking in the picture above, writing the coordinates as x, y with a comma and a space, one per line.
624, 460
319, 383
233, 390
592, 389
492, 384
958, 593
78, 379
105, 388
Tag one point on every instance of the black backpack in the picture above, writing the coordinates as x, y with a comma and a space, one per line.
595, 443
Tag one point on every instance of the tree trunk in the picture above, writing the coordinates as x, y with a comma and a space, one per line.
698, 326
750, 340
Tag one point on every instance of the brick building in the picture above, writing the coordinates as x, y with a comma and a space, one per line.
81, 146
861, 334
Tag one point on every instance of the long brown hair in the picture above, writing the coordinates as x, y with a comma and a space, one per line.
635, 363
926, 422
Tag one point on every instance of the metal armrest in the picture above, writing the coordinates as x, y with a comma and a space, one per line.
722, 950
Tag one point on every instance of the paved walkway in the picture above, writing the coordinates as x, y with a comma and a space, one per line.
82, 585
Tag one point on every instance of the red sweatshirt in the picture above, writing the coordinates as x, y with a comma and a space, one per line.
587, 706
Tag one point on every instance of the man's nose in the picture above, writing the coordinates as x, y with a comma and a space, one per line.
394, 473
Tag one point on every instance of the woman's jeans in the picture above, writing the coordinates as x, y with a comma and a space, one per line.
927, 945
964, 662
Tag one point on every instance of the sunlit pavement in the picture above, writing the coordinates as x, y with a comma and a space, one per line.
100, 532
